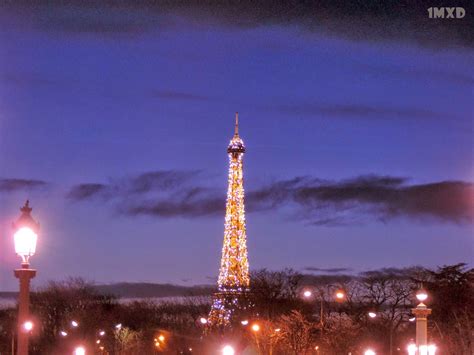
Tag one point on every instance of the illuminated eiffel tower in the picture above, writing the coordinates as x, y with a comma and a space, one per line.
234, 280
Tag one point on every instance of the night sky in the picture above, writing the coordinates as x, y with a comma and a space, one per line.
114, 122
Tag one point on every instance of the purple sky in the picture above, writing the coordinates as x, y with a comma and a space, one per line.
115, 123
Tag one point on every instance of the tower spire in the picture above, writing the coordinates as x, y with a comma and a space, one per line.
236, 133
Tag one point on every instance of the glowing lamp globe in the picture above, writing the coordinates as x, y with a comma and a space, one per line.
255, 327
80, 350
25, 242
412, 348
372, 314
26, 234
369, 352
432, 349
307, 293
228, 350
28, 326
340, 295
421, 296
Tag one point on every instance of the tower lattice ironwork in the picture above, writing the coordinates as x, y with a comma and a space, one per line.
234, 280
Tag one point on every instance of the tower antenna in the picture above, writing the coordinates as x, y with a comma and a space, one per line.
236, 124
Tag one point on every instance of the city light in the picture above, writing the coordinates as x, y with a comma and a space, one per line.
411, 349
102, 333
28, 326
203, 320
255, 327
412, 319
369, 352
372, 314
432, 349
421, 296
161, 338
277, 330
244, 322
80, 350
63, 333
118, 326
74, 324
25, 242
307, 293
340, 295
228, 350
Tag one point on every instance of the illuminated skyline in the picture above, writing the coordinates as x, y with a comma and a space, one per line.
112, 123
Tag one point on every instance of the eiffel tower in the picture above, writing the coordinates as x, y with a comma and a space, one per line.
234, 280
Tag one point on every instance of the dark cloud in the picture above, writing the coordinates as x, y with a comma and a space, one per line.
168, 194
86, 191
178, 96
178, 207
423, 74
165, 193
359, 111
382, 196
153, 181
12, 185
357, 20
335, 270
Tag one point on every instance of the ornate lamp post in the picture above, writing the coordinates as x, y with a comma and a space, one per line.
421, 313
25, 237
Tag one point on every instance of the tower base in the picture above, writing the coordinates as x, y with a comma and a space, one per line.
229, 307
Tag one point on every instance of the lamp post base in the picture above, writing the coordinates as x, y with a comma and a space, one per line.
25, 274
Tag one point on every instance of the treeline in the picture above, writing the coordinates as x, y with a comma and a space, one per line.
375, 312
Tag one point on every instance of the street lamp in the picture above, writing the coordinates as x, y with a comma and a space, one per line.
369, 352
80, 350
372, 314
25, 238
340, 295
421, 313
228, 350
28, 326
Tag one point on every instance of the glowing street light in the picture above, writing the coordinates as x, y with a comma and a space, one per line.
28, 326
421, 296
228, 350
412, 349
74, 324
307, 294
372, 314
80, 350
421, 313
432, 349
25, 238
203, 320
340, 295
255, 327
63, 333
118, 326
244, 322
102, 333
369, 352
161, 338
